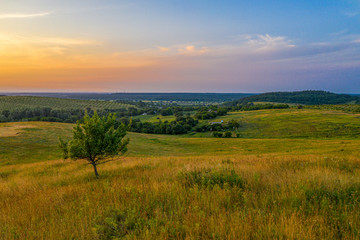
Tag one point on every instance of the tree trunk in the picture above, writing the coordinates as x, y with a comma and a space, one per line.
96, 173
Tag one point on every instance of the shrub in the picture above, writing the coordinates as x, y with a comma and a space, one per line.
227, 134
218, 134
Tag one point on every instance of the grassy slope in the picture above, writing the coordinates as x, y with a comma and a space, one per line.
294, 123
22, 102
37, 141
307, 196
295, 189
155, 118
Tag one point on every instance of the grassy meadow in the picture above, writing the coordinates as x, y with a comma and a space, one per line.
290, 176
296, 123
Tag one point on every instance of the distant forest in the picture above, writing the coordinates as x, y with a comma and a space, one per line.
302, 97
171, 97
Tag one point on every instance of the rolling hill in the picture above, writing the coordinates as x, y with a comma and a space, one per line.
179, 187
300, 97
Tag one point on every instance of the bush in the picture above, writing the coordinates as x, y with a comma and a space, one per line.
227, 134
218, 134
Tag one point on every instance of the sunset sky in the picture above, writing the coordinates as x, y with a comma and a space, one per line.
179, 45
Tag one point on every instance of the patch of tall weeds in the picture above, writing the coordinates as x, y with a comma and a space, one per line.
209, 178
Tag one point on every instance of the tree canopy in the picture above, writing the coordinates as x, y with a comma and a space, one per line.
96, 139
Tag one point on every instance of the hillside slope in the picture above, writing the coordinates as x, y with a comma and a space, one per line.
294, 123
300, 97
193, 189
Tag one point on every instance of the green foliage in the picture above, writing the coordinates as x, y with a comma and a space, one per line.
231, 125
227, 134
322, 197
218, 134
300, 97
118, 224
253, 107
181, 125
170, 97
29, 108
210, 112
209, 179
96, 140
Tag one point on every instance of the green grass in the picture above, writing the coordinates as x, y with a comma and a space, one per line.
31, 141
296, 123
38, 141
30, 102
155, 118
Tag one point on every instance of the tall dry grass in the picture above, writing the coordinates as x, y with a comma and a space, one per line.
281, 197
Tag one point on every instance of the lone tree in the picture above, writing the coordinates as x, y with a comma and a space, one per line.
96, 139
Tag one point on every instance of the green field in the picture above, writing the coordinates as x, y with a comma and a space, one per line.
295, 123
294, 174
155, 118
30, 102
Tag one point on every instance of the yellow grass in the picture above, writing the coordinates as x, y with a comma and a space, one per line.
292, 189
62, 200
10, 130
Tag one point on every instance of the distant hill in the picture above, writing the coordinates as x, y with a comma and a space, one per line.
300, 97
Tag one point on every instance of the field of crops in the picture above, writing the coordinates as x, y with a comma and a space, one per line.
30, 102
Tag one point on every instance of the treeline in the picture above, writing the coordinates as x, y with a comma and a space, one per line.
176, 110
231, 125
63, 115
42, 114
72, 115
210, 112
253, 107
301, 97
169, 97
180, 125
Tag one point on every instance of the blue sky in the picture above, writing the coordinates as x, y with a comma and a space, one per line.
179, 46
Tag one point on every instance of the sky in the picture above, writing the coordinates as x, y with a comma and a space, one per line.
179, 45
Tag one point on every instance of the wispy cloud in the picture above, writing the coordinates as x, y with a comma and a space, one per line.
22, 15
17, 50
7, 39
192, 50
267, 42
351, 14
183, 49
164, 49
